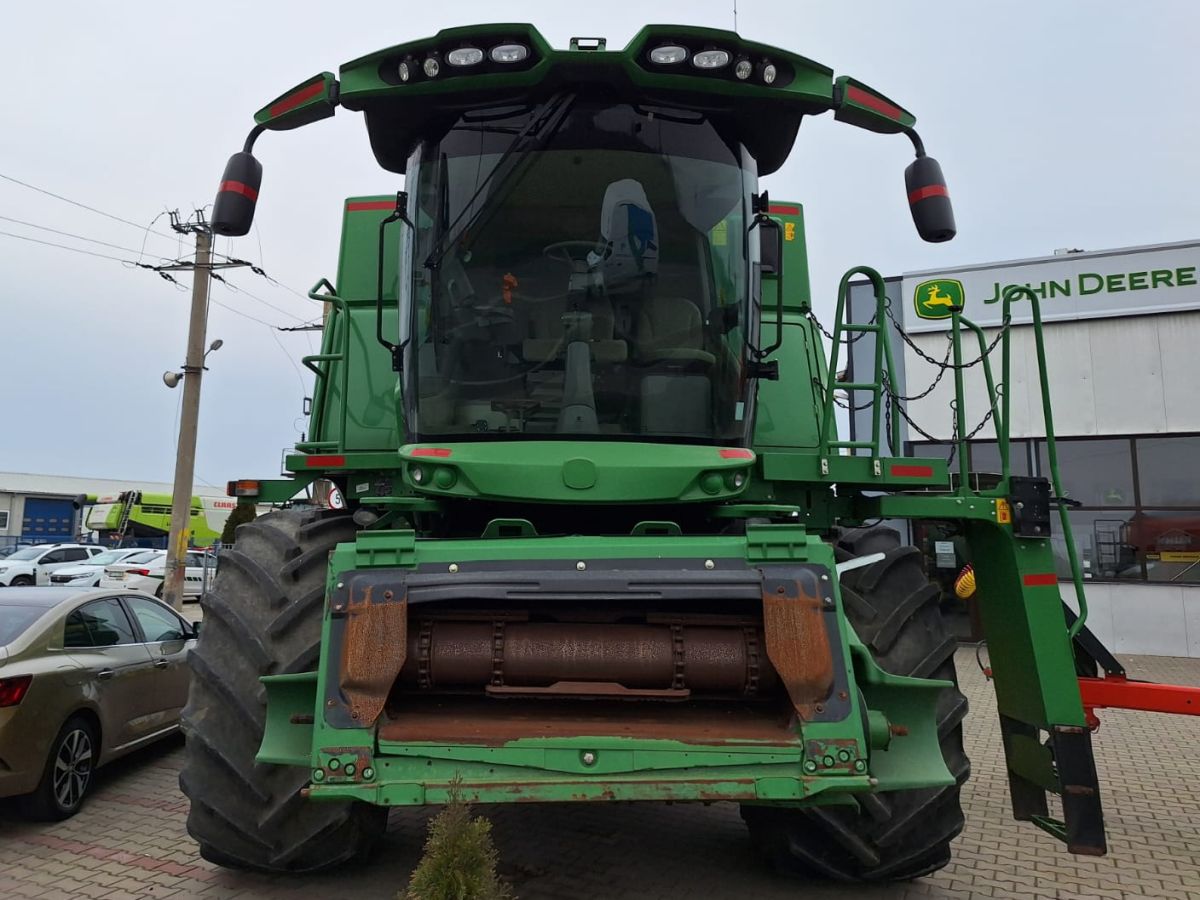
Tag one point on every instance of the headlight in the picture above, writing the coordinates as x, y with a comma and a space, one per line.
431, 67
465, 56
668, 56
510, 53
711, 59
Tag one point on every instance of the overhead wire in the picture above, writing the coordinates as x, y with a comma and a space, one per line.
92, 209
78, 237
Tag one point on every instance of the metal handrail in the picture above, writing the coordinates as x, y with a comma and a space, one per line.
342, 355
1011, 293
884, 367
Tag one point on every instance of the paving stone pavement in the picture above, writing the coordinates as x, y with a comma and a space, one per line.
130, 840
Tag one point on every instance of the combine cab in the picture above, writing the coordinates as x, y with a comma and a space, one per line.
602, 541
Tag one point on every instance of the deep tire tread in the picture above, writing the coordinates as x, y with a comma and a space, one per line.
263, 617
902, 834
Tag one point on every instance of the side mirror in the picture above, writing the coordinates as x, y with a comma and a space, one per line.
233, 210
929, 200
195, 629
770, 253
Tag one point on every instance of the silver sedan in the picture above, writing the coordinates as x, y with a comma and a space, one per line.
86, 675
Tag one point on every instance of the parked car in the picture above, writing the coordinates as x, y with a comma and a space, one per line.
85, 676
88, 573
149, 576
33, 565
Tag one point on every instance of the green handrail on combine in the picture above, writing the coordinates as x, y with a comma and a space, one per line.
602, 541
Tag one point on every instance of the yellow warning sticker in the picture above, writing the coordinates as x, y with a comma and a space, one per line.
720, 234
789, 231
1003, 512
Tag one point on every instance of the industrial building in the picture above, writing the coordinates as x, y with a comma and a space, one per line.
46, 508
1121, 331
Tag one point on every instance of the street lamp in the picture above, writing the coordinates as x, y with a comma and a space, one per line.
172, 379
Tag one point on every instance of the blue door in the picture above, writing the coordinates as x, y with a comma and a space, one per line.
48, 521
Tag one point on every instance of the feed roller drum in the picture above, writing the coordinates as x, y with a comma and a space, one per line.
704, 659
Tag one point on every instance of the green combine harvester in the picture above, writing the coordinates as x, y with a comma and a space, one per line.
602, 541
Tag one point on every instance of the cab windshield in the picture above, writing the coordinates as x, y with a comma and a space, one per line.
578, 269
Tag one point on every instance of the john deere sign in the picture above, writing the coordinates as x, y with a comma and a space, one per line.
1142, 280
934, 299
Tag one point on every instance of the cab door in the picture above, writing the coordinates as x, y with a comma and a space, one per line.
168, 639
117, 671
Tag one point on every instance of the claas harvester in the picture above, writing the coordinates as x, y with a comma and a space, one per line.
595, 535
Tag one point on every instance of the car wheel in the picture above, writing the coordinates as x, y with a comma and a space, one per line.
159, 593
22, 581
68, 774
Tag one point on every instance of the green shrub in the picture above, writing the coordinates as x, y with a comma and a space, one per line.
459, 862
242, 513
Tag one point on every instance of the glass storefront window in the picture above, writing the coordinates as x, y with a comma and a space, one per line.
1095, 472
1170, 544
1168, 470
1103, 542
985, 455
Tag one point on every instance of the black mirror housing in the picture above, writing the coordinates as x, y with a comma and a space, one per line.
929, 200
233, 210
770, 246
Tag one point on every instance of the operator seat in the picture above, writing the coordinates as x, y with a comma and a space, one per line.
547, 333
671, 329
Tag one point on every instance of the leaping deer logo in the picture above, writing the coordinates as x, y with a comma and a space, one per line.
937, 298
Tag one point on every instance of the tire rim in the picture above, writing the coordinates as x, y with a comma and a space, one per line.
72, 768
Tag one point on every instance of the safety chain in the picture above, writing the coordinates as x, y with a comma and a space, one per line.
929, 359
943, 365
844, 341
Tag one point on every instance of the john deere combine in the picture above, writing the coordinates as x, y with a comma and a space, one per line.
602, 540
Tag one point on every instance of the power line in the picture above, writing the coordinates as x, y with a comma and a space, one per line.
78, 237
93, 209
241, 290
22, 237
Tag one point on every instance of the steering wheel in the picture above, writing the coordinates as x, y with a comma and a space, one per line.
571, 252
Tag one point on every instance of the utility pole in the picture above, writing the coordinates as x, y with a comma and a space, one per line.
189, 418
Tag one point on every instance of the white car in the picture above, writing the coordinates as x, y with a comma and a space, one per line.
149, 576
33, 565
87, 574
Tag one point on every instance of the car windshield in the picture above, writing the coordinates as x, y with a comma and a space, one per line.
26, 553
15, 620
107, 557
592, 281
144, 556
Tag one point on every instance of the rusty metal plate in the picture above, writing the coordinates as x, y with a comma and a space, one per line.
374, 646
797, 642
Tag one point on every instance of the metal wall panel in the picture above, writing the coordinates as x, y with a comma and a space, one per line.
1107, 377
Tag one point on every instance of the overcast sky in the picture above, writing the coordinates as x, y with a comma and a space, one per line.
1057, 124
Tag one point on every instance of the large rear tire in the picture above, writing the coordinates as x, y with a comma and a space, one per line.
901, 834
263, 617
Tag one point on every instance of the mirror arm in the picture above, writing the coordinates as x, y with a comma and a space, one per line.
248, 147
918, 144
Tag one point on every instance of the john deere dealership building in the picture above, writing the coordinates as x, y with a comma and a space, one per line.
1122, 336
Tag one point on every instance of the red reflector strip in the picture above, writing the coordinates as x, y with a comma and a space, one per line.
290, 102
1040, 579
870, 101
364, 205
781, 210
238, 188
912, 471
314, 462
930, 190
736, 453
441, 452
